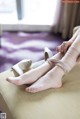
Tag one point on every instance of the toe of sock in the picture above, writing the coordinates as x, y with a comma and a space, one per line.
30, 89
33, 89
13, 80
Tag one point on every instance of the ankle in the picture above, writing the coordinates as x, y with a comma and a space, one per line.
60, 70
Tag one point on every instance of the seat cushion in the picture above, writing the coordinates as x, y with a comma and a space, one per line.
62, 103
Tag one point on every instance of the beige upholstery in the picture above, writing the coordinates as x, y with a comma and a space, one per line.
63, 103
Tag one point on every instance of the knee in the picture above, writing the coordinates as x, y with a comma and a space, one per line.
78, 39
77, 28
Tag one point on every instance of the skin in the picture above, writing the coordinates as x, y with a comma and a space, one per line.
45, 80
51, 79
64, 46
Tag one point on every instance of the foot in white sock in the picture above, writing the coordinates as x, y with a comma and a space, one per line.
51, 80
34, 74
30, 76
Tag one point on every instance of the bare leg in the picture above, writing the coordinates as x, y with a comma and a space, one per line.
34, 74
53, 78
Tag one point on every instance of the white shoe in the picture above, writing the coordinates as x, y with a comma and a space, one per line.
27, 64
22, 66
